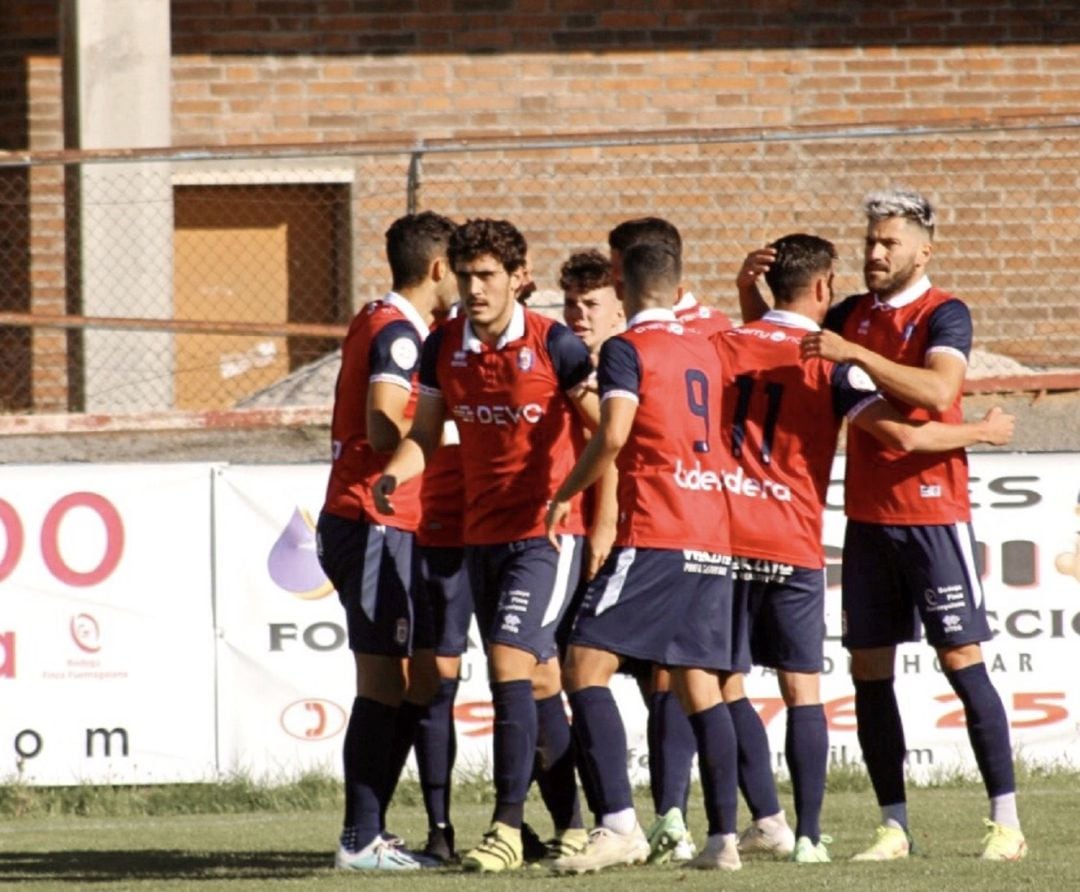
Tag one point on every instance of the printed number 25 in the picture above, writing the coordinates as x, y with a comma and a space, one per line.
697, 400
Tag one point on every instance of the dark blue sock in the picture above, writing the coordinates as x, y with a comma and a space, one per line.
881, 736
555, 763
401, 743
988, 727
756, 778
514, 746
366, 758
806, 746
671, 751
718, 764
601, 739
436, 747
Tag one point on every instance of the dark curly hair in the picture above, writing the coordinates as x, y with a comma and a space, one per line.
498, 238
585, 271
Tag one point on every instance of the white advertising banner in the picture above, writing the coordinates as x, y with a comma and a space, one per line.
117, 583
1026, 519
106, 634
285, 672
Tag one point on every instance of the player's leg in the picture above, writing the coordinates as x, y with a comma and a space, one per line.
555, 765
699, 693
768, 832
449, 605
806, 749
601, 741
955, 623
370, 566
878, 614
672, 748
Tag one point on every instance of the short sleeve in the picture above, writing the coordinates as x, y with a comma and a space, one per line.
569, 356
950, 329
394, 354
852, 389
619, 373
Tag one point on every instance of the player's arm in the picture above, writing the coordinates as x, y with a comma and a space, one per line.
752, 305
883, 421
934, 386
386, 421
415, 449
616, 418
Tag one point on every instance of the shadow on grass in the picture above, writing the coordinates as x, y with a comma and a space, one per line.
98, 866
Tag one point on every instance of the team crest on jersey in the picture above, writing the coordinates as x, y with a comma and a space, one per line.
401, 631
459, 360
864, 326
525, 359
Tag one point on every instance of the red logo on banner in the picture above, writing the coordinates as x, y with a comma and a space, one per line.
7, 655
312, 719
86, 633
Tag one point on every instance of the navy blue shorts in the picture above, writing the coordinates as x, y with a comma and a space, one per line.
779, 617
522, 589
897, 579
372, 567
444, 603
662, 606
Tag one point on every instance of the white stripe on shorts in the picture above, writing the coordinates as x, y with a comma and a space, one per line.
964, 536
373, 552
617, 580
560, 592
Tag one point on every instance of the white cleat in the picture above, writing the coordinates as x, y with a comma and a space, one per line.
606, 848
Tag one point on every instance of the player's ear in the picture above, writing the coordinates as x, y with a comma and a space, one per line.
439, 269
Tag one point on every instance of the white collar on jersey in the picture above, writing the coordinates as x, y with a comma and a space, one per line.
652, 314
409, 312
788, 319
686, 303
908, 296
514, 330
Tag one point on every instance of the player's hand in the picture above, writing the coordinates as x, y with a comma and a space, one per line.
755, 266
601, 537
827, 345
557, 512
382, 490
999, 426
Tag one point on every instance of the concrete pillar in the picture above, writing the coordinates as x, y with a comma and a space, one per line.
117, 58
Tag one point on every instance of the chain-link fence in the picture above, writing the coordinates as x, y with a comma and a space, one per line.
194, 279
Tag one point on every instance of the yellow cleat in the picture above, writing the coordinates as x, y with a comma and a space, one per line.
499, 850
890, 843
1003, 843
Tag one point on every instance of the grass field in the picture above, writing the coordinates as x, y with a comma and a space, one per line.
247, 838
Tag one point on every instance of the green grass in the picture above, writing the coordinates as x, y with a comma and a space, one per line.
237, 835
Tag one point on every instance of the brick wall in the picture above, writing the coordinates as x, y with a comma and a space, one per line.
316, 71
274, 70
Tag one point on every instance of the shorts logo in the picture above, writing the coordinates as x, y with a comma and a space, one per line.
401, 631
517, 600
525, 359
930, 490
944, 599
511, 623
952, 623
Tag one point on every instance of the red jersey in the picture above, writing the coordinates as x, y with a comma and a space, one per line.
514, 418
442, 495
382, 345
706, 320
670, 486
884, 485
780, 421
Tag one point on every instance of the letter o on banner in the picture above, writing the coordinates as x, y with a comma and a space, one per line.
13, 533
50, 538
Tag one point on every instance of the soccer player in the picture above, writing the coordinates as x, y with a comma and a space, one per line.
780, 423
663, 595
515, 383
591, 309
908, 548
371, 563
670, 737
